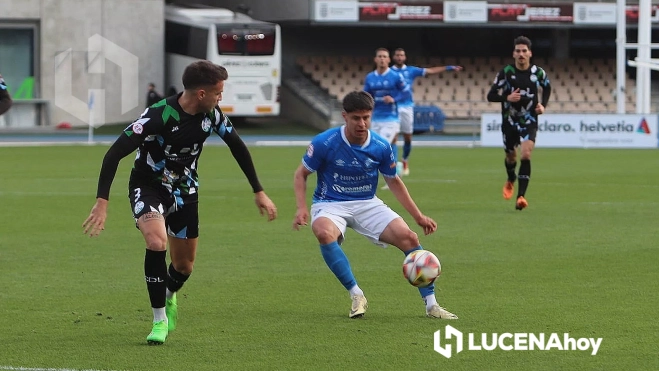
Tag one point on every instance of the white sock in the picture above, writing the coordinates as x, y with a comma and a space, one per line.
170, 295
159, 314
355, 290
430, 300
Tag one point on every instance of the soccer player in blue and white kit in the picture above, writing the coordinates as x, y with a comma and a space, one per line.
388, 88
348, 160
406, 107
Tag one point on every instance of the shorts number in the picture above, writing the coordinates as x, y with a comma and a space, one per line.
137, 193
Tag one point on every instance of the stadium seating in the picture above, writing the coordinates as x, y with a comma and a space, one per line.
578, 85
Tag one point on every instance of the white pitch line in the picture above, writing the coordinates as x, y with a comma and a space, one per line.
12, 368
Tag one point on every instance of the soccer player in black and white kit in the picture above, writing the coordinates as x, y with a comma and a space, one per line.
163, 186
517, 88
5, 98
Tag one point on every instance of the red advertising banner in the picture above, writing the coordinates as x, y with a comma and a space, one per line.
632, 14
529, 12
400, 11
579, 13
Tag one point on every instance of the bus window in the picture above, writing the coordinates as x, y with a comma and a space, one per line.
243, 41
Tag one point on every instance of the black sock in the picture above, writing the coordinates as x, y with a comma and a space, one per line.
510, 169
524, 177
175, 279
155, 274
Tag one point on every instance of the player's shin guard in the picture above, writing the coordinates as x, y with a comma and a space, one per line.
424, 291
155, 274
510, 170
407, 148
524, 177
175, 279
337, 261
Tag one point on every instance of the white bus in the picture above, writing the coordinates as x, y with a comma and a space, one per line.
250, 50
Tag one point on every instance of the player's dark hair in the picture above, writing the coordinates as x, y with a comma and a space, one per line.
203, 73
399, 50
381, 50
522, 40
358, 101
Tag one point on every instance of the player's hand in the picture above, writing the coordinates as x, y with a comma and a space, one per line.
265, 205
515, 96
301, 218
454, 68
388, 99
95, 222
429, 226
539, 109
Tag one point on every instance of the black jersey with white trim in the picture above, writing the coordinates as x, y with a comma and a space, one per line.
170, 142
530, 83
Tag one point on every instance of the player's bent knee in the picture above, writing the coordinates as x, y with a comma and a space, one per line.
155, 242
325, 235
410, 240
184, 267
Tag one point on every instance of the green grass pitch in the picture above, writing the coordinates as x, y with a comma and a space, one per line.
581, 259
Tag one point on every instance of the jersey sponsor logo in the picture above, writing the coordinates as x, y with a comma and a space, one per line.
358, 189
310, 151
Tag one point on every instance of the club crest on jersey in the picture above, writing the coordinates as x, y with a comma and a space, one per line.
368, 164
138, 128
534, 78
206, 124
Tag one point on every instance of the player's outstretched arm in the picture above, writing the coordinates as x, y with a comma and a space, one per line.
399, 190
240, 152
440, 69
121, 148
300, 189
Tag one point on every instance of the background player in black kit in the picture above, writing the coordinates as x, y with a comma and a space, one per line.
517, 88
5, 98
169, 138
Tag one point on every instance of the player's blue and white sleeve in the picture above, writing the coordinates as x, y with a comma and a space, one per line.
416, 72
314, 157
388, 161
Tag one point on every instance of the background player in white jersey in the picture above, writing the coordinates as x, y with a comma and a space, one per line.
348, 160
406, 107
388, 89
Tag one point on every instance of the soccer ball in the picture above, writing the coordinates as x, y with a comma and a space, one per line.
421, 268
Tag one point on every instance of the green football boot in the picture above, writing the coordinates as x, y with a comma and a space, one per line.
158, 334
171, 309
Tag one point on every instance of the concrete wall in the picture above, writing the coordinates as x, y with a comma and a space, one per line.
136, 26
